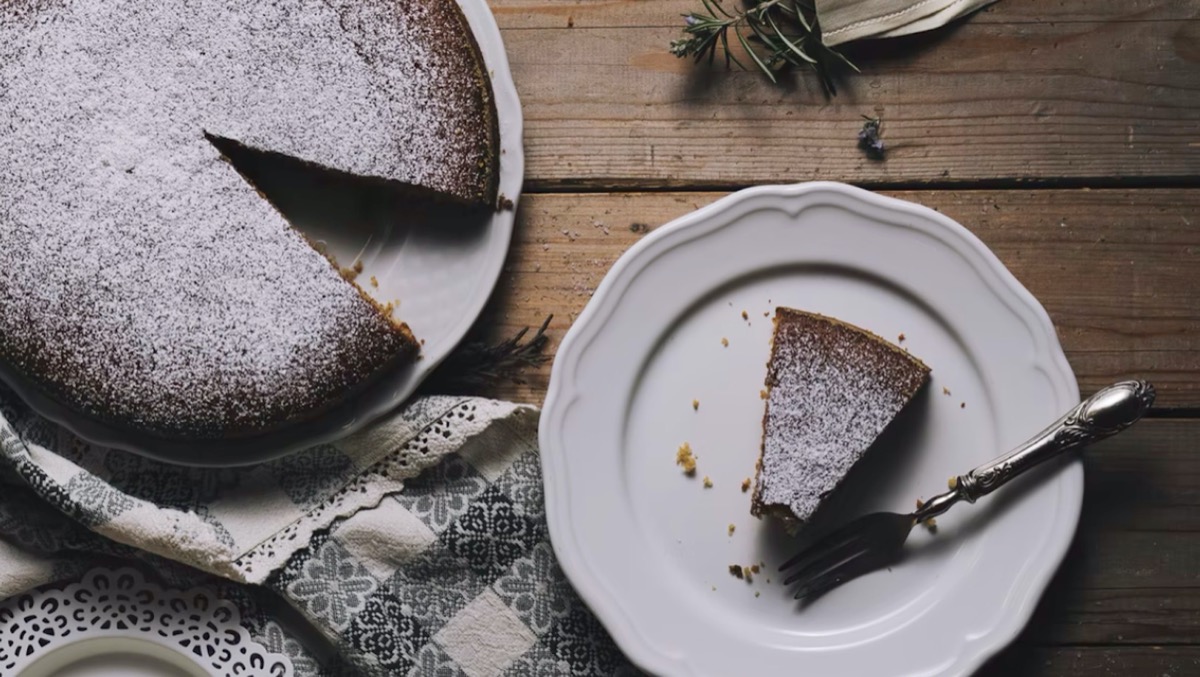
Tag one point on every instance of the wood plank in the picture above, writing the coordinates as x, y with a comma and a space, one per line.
527, 14
1115, 269
1158, 661
1136, 617
1132, 575
1102, 92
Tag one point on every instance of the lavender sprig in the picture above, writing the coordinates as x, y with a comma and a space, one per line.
869, 138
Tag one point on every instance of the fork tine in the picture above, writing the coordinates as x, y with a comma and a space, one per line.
846, 570
827, 542
825, 558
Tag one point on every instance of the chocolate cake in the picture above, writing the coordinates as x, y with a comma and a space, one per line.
832, 388
143, 281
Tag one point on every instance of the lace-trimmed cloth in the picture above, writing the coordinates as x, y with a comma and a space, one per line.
847, 20
418, 546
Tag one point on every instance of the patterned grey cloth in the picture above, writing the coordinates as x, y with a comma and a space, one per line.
416, 548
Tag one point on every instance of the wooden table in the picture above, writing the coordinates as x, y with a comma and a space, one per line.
1064, 133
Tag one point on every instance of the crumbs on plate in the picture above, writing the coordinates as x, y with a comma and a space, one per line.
686, 459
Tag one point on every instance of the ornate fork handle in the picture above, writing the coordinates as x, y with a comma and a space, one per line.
1106, 413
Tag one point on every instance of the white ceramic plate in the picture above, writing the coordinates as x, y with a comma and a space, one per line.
648, 547
441, 274
113, 623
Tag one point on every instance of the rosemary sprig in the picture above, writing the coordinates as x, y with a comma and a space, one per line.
475, 365
775, 34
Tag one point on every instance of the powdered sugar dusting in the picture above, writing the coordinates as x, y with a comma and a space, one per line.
140, 276
385, 88
832, 390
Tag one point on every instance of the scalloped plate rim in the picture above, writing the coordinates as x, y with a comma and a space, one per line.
563, 393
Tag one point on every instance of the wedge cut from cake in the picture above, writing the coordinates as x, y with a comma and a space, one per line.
832, 388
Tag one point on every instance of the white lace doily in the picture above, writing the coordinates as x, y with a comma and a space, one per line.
117, 611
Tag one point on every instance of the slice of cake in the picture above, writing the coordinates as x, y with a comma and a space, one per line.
832, 388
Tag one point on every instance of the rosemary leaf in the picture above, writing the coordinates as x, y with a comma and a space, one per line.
753, 55
775, 34
792, 46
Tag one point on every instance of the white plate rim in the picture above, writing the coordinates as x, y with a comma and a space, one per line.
161, 630
563, 390
394, 387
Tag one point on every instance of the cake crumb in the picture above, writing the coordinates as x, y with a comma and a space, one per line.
504, 203
945, 390
735, 570
952, 483
962, 405
358, 266
714, 588
755, 568
724, 341
732, 526
686, 459
762, 394
639, 228
766, 313
745, 315
757, 593
768, 581
707, 482
901, 337
695, 405
374, 282
571, 24
747, 574
745, 485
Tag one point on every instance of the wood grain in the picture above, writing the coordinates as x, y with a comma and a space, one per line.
1086, 661
1116, 269
533, 14
1132, 575
1094, 93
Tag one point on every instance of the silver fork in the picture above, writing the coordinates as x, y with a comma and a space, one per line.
876, 540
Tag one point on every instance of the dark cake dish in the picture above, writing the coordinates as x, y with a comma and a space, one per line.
832, 388
143, 281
